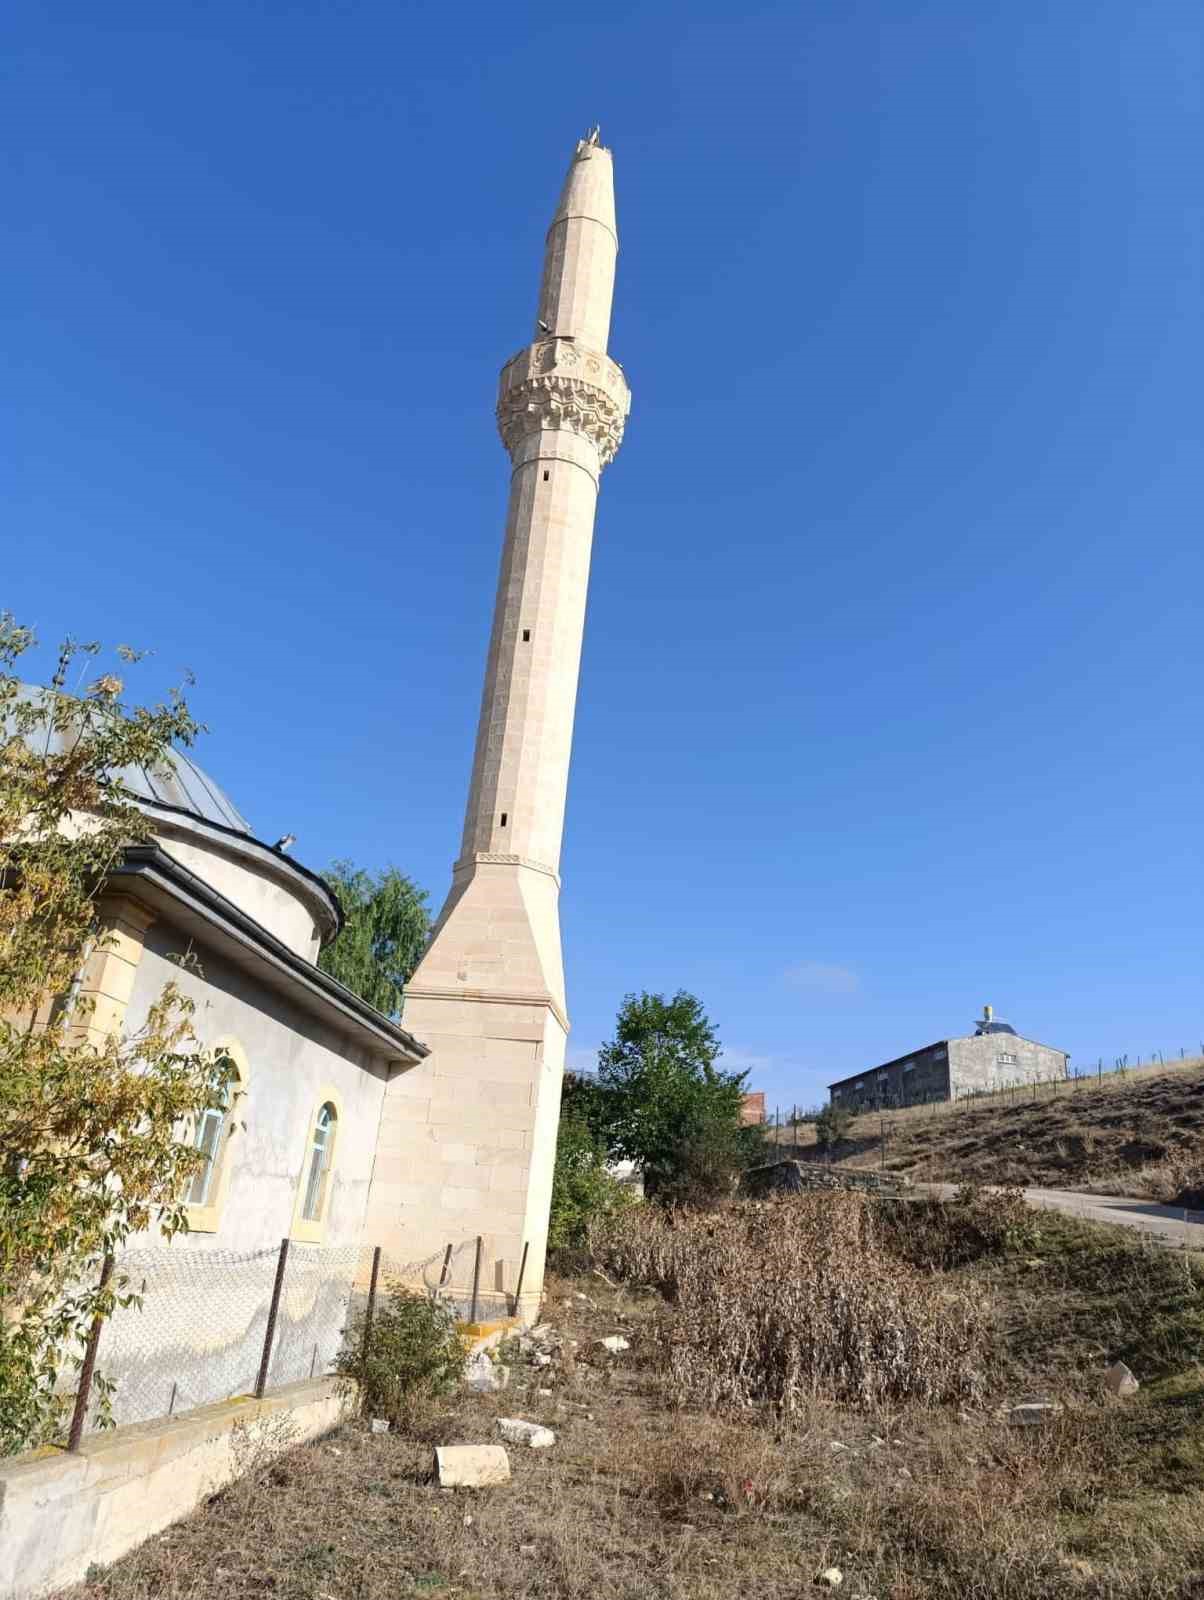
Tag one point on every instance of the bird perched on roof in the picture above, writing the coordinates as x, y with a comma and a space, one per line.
285, 842
543, 327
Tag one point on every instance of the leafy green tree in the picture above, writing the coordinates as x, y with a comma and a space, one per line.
832, 1126
664, 1103
584, 1191
384, 933
94, 1126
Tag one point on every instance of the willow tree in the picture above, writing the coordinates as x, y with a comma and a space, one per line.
95, 1125
385, 929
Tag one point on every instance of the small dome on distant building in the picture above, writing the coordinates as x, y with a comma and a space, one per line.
987, 1023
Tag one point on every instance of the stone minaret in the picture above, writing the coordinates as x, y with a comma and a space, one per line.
468, 1138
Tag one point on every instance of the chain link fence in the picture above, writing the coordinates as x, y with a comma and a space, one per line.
204, 1325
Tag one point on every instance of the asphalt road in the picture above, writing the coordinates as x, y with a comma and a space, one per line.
1168, 1225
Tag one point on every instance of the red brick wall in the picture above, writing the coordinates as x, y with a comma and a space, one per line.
752, 1107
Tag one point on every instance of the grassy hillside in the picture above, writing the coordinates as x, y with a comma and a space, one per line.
1141, 1133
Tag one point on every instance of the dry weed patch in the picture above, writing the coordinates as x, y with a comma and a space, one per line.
779, 1302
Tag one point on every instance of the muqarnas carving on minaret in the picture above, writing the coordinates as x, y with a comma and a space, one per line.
468, 1140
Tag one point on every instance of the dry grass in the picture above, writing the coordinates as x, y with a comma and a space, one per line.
641, 1499
787, 1300
1139, 1134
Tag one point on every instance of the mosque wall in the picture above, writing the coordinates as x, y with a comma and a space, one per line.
293, 1064
274, 905
198, 1335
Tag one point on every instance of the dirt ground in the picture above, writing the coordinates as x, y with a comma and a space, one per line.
1140, 1134
638, 1499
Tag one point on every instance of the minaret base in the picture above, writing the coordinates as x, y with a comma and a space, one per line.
467, 1140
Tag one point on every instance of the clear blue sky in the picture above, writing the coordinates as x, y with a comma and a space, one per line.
891, 697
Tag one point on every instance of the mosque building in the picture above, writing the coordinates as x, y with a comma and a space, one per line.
345, 1127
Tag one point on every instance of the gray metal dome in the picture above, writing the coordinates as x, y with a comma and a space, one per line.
178, 782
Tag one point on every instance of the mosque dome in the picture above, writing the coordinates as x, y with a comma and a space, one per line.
200, 827
184, 786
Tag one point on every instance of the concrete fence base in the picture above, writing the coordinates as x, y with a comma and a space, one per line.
60, 1513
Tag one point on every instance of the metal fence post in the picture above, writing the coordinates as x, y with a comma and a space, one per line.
261, 1381
476, 1278
522, 1272
89, 1367
370, 1312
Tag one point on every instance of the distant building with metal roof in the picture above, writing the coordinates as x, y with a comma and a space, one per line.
993, 1057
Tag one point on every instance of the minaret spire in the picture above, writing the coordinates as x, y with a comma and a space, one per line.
468, 1139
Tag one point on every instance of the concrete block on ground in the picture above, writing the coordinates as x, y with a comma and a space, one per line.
471, 1466
516, 1431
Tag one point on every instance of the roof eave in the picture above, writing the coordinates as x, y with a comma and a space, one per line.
159, 881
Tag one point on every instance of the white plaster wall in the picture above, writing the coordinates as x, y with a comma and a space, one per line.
292, 1061
198, 1335
273, 904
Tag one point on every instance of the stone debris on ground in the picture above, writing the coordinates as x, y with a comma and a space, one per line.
380, 1425
471, 1466
1119, 1380
517, 1431
1033, 1413
615, 1343
486, 1376
830, 1578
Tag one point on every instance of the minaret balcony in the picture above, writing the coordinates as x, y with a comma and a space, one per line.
559, 383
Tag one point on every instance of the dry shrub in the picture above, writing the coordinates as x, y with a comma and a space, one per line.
1182, 1177
737, 1470
785, 1300
943, 1234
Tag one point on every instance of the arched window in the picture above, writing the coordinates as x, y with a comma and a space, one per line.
320, 1151
209, 1142
312, 1205
213, 1136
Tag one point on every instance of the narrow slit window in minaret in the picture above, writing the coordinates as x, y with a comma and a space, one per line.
545, 477
526, 636
503, 819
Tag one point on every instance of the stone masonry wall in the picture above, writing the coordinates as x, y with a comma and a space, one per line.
996, 1060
